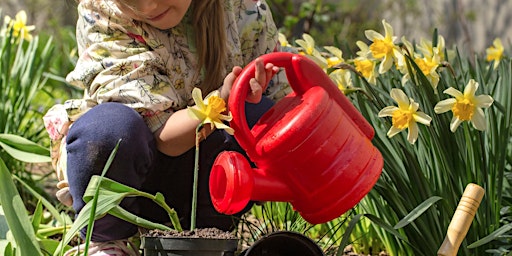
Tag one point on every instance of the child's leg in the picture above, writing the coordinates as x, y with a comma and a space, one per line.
90, 142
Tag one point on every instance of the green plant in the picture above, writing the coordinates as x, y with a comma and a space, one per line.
30, 233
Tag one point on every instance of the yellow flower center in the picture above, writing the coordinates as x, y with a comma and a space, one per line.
463, 109
215, 106
401, 119
365, 67
425, 66
381, 48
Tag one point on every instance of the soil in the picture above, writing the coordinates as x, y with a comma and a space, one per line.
196, 233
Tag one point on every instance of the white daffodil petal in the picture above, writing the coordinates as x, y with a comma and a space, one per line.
220, 125
453, 92
412, 134
385, 65
422, 118
372, 35
400, 98
225, 117
471, 88
484, 101
197, 96
388, 30
444, 105
414, 106
309, 40
196, 113
387, 111
455, 123
478, 120
393, 131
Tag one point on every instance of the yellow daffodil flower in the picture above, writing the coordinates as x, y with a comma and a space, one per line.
19, 26
405, 116
383, 46
465, 106
283, 41
364, 50
428, 50
365, 64
308, 48
336, 58
342, 78
428, 66
495, 52
210, 110
367, 68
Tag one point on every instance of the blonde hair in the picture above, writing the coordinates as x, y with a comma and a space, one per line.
210, 35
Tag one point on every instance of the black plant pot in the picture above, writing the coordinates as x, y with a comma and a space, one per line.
284, 243
185, 246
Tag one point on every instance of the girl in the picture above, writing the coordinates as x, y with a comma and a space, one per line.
139, 61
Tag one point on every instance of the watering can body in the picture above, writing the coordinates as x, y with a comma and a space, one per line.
312, 149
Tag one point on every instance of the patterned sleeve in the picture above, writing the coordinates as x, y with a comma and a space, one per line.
258, 36
118, 64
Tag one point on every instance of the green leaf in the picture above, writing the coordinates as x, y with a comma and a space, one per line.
105, 204
23, 144
348, 231
416, 212
49, 206
494, 235
16, 215
132, 218
23, 149
37, 216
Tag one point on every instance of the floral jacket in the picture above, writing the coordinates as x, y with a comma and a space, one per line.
148, 69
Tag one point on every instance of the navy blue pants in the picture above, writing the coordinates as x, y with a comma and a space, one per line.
140, 165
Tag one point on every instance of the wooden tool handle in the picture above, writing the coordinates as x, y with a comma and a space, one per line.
461, 220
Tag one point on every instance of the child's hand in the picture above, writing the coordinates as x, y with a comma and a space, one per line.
258, 84
263, 75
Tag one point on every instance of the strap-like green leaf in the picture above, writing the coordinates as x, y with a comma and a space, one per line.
416, 212
16, 215
23, 144
494, 235
25, 156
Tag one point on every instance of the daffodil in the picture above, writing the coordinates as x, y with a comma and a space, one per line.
429, 50
336, 58
367, 68
495, 52
405, 116
465, 106
342, 78
283, 41
19, 26
307, 43
383, 46
428, 66
209, 110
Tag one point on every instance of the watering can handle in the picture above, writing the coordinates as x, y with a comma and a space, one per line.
461, 220
302, 74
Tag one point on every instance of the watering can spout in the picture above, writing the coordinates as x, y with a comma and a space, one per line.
234, 183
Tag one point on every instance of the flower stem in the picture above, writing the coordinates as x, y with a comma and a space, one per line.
196, 174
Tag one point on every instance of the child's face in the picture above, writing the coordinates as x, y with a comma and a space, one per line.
162, 14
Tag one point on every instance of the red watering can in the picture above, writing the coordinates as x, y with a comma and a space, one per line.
312, 149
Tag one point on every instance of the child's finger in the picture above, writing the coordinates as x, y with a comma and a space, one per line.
260, 73
255, 92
